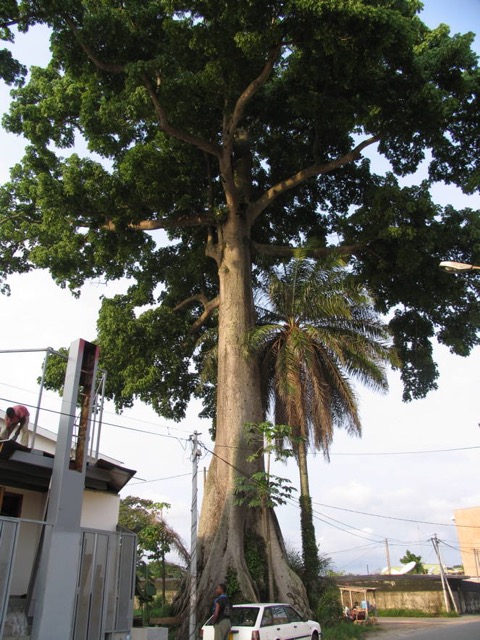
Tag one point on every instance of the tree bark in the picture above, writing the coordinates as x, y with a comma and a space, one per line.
223, 524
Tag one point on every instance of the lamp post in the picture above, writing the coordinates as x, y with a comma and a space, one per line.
457, 267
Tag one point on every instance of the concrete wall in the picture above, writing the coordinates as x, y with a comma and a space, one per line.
471, 597
100, 510
421, 592
429, 601
468, 531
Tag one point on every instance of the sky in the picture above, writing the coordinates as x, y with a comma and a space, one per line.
401, 481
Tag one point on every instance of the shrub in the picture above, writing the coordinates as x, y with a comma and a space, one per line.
329, 609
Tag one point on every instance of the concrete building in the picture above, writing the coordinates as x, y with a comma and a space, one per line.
468, 531
66, 573
414, 592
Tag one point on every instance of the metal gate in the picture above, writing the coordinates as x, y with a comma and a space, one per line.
8, 545
106, 586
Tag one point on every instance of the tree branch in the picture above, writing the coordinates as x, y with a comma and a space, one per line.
152, 225
280, 251
103, 66
247, 95
198, 297
309, 172
174, 132
209, 307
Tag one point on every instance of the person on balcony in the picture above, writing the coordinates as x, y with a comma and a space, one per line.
16, 425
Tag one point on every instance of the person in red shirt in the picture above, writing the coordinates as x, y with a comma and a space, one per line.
16, 425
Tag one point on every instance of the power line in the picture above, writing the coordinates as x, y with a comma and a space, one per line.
402, 453
110, 413
322, 516
377, 515
181, 475
340, 526
108, 424
372, 453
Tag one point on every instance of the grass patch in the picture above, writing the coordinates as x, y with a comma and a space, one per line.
344, 631
404, 613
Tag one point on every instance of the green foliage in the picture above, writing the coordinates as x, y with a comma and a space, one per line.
295, 560
311, 558
317, 331
403, 613
152, 88
411, 557
329, 607
233, 586
262, 489
268, 438
257, 563
344, 631
159, 609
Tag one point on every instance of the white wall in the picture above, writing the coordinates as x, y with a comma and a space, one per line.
100, 510
33, 505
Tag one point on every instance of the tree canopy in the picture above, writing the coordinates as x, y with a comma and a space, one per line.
168, 93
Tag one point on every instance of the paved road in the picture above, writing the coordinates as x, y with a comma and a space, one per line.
465, 628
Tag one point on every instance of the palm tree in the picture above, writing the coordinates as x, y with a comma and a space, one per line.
317, 331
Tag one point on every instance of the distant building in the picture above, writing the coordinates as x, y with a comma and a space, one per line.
468, 532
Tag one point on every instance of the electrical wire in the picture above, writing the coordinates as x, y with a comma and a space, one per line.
181, 475
373, 453
105, 412
340, 525
377, 515
108, 424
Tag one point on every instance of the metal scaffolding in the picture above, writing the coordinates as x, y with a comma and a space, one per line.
98, 400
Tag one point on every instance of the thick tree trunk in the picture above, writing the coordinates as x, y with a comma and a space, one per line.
225, 526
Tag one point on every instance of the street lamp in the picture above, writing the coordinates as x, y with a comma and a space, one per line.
457, 267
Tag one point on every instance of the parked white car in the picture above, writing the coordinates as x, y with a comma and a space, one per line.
267, 621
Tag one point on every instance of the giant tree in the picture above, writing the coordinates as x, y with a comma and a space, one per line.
237, 129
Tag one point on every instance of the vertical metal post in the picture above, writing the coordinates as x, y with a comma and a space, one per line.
387, 551
192, 626
100, 415
39, 401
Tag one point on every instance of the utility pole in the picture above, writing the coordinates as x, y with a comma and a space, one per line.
445, 585
387, 551
192, 627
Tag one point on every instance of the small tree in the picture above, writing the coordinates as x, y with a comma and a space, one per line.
155, 539
411, 557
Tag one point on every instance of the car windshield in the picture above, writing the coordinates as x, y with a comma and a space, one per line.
244, 616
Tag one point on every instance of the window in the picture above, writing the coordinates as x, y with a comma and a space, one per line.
11, 504
244, 616
293, 616
279, 616
267, 619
